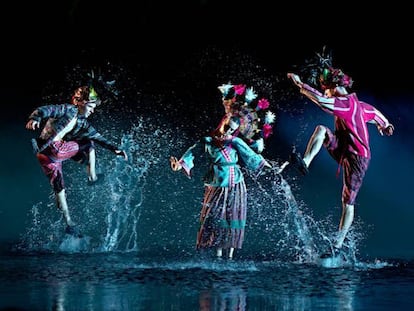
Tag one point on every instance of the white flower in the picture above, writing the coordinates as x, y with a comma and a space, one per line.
250, 95
224, 88
270, 117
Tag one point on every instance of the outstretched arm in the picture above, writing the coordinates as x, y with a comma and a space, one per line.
377, 118
44, 112
186, 162
387, 129
314, 95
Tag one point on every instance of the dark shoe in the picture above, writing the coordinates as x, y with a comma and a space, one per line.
72, 230
297, 161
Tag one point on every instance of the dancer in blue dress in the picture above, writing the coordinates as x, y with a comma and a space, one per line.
224, 210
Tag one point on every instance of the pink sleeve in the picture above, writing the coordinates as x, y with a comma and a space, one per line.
308, 88
371, 113
314, 95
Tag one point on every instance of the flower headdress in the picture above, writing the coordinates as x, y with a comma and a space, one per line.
331, 77
253, 116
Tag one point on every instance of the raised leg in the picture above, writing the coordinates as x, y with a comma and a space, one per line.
314, 145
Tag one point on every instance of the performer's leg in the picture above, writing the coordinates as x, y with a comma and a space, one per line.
91, 166
87, 155
345, 223
354, 169
314, 145
231, 251
51, 162
63, 206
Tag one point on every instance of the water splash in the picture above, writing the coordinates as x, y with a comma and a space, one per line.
286, 222
71, 244
128, 180
293, 232
141, 205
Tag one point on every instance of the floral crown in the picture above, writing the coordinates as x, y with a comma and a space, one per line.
331, 77
253, 116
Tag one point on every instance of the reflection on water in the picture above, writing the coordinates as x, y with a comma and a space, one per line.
131, 282
223, 300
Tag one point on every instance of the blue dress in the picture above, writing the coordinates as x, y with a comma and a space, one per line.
224, 209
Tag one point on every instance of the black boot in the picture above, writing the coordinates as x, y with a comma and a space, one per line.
297, 161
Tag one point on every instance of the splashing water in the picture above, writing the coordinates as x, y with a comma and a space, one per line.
128, 180
107, 213
141, 205
297, 236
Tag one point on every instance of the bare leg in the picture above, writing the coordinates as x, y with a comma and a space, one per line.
231, 251
314, 145
346, 221
91, 167
63, 206
219, 252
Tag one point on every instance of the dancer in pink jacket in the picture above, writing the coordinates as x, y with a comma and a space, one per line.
348, 144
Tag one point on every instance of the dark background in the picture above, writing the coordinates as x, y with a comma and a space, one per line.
39, 37
156, 39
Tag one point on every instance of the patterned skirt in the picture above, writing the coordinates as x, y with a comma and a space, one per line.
223, 217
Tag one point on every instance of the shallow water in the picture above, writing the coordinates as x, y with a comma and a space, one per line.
133, 282
138, 250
